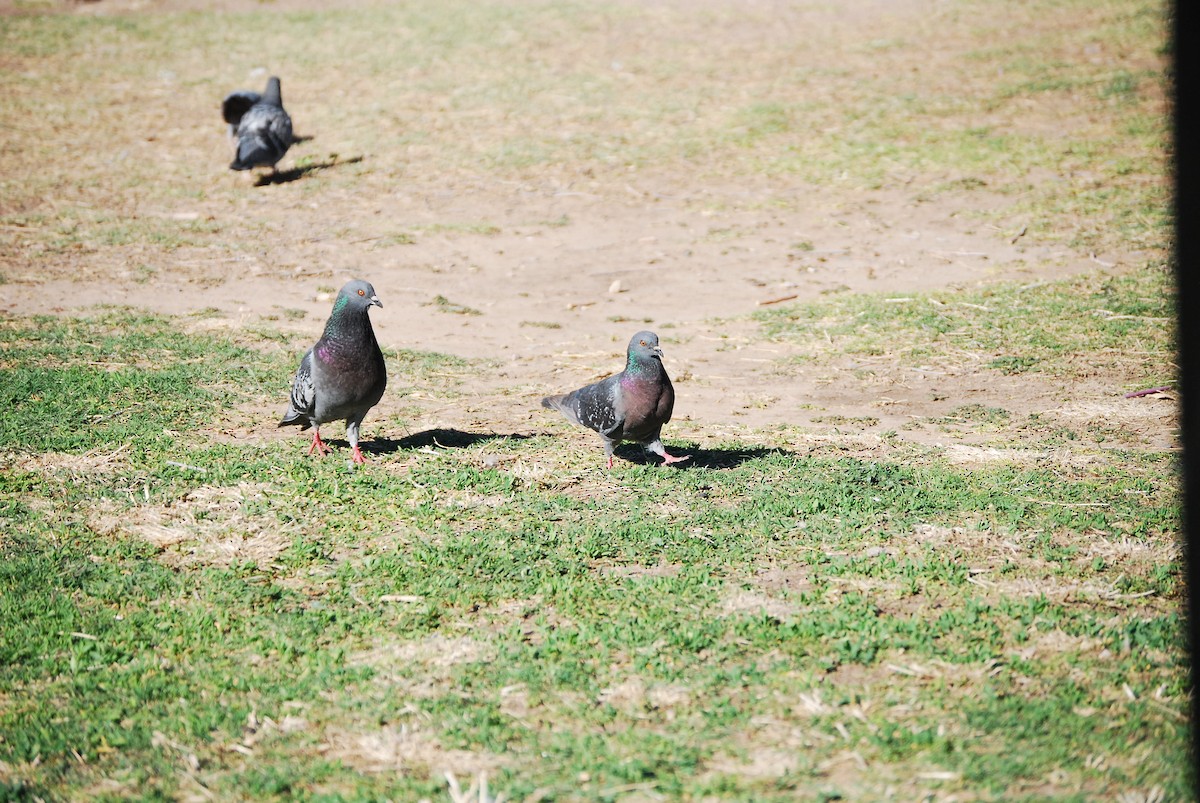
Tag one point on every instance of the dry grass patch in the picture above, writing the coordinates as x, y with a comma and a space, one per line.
207, 526
402, 748
738, 601
964, 454
661, 569
1120, 415
69, 467
635, 697
435, 651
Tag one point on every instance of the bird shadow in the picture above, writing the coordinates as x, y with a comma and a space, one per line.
702, 458
632, 453
287, 176
435, 438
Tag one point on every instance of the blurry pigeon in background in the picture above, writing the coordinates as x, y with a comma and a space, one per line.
630, 406
343, 374
261, 126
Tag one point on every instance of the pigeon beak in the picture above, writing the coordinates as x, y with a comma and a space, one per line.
375, 300
657, 351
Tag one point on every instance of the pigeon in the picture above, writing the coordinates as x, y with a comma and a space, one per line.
343, 374
630, 406
261, 126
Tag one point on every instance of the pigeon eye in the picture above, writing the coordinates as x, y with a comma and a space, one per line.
362, 292
643, 342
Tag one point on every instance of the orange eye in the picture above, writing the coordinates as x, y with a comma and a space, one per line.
643, 342
362, 292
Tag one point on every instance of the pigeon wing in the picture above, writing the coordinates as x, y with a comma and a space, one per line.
304, 395
237, 104
666, 401
597, 407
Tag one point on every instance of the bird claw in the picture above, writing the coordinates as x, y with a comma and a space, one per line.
669, 458
357, 456
319, 446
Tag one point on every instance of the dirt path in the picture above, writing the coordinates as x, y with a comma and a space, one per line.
558, 279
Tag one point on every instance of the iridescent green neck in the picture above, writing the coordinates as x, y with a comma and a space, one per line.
639, 365
338, 320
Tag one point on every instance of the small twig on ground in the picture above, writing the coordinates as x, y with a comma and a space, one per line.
1147, 392
779, 300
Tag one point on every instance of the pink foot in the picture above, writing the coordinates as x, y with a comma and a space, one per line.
357, 456
669, 458
318, 445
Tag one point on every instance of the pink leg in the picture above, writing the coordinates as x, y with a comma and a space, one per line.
669, 458
657, 448
357, 456
318, 445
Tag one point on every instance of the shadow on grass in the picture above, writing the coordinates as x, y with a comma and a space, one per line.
630, 452
286, 176
436, 438
700, 458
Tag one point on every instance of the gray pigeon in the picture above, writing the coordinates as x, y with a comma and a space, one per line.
261, 126
343, 374
630, 406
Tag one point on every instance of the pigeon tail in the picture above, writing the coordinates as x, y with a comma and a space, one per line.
259, 151
273, 95
292, 418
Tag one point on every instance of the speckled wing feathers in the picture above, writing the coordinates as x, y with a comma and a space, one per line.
303, 400
596, 406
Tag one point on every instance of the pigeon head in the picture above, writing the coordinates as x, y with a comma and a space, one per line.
357, 294
644, 347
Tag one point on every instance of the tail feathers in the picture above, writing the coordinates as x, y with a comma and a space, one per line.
293, 418
565, 404
255, 153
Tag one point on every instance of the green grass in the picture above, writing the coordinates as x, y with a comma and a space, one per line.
186, 614
579, 631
